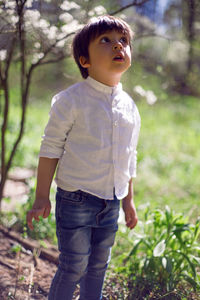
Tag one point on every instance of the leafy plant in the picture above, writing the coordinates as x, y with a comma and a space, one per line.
45, 228
165, 253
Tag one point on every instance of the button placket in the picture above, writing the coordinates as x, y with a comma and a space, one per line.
115, 137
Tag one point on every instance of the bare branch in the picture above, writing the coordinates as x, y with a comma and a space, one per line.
53, 60
48, 50
134, 3
153, 34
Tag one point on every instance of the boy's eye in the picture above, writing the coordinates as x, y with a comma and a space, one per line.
124, 40
105, 40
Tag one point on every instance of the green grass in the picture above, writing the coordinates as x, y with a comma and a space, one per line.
169, 155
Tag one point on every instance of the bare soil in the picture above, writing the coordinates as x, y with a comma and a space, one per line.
27, 275
22, 276
26, 270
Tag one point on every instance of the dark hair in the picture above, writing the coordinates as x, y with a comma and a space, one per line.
91, 31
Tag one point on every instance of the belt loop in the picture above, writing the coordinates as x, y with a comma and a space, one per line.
113, 193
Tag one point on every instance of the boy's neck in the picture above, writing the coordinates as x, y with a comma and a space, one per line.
111, 81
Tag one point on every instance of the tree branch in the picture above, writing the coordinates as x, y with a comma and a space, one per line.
134, 3
48, 50
152, 34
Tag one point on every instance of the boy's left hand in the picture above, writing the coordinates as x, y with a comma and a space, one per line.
130, 213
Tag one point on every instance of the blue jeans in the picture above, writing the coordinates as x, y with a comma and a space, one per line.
86, 228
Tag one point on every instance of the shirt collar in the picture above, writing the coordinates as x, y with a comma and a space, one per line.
102, 87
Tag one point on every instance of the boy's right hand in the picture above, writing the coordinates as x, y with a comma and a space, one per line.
40, 208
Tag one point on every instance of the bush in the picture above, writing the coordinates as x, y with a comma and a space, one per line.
164, 255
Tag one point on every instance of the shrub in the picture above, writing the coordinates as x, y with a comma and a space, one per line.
164, 255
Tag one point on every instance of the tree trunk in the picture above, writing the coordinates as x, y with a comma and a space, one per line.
190, 32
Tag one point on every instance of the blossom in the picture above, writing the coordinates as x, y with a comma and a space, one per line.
32, 16
68, 5
3, 54
29, 3
73, 26
37, 45
149, 95
139, 90
52, 33
66, 17
9, 4
37, 57
97, 11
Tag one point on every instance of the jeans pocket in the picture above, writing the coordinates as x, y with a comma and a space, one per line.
73, 198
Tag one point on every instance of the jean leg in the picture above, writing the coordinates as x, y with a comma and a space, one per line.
92, 283
102, 240
74, 247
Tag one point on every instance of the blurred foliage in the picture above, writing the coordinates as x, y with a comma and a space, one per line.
164, 251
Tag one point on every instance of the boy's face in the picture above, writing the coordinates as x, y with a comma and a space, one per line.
109, 57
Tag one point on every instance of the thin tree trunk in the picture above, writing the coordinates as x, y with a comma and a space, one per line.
191, 32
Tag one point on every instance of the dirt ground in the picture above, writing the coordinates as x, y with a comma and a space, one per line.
24, 275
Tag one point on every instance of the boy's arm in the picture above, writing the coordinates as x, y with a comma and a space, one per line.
129, 208
42, 205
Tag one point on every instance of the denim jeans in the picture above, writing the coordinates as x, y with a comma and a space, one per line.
86, 228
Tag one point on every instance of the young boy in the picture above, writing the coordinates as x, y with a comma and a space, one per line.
92, 135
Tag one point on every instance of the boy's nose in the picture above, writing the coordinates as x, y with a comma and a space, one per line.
117, 46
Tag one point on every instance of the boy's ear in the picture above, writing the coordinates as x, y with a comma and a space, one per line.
84, 62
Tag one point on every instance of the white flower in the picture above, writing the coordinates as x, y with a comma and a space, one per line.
52, 33
61, 44
66, 5
29, 3
139, 90
32, 16
97, 11
100, 10
66, 17
151, 97
159, 249
37, 57
14, 19
68, 28
43, 24
3, 54
37, 45
10, 4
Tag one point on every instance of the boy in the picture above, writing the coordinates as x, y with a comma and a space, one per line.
92, 135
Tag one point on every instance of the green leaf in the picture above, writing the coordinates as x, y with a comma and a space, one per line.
133, 251
188, 260
190, 280
197, 259
197, 229
159, 249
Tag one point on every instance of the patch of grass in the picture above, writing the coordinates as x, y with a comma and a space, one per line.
168, 155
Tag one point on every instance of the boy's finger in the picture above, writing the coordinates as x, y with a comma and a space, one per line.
29, 218
46, 212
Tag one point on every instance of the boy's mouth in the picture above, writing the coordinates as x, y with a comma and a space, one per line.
119, 57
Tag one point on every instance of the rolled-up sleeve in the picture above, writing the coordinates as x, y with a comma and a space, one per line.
61, 120
135, 137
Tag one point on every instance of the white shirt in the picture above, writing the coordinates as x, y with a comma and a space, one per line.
93, 129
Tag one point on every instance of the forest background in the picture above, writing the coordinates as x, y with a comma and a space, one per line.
36, 63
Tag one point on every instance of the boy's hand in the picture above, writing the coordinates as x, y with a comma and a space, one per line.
40, 208
130, 212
